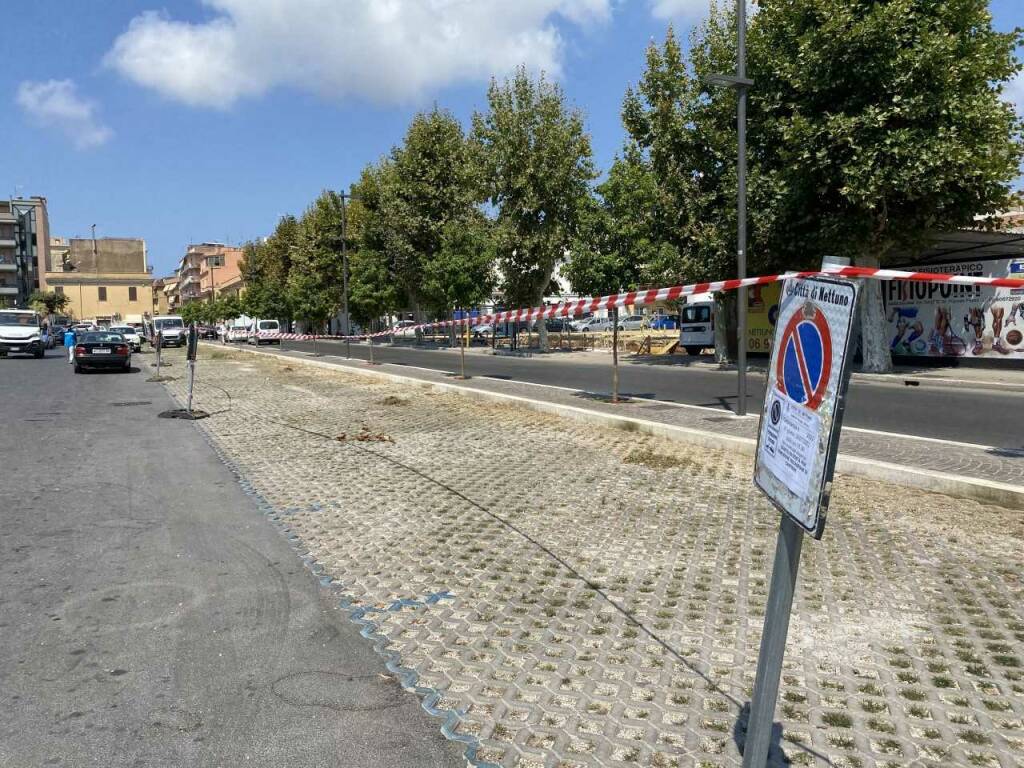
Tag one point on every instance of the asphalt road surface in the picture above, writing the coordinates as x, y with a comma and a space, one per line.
969, 413
151, 616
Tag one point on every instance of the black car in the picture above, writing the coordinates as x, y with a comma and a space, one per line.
102, 349
557, 324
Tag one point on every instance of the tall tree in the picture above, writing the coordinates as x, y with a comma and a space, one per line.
877, 122
265, 268
619, 244
374, 286
49, 302
429, 184
535, 158
315, 280
461, 273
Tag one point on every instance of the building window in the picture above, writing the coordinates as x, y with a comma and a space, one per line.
59, 290
103, 293
133, 293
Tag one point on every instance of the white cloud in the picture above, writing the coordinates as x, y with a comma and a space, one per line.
56, 104
384, 50
672, 9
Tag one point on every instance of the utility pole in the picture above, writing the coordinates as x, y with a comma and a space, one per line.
344, 271
741, 201
742, 84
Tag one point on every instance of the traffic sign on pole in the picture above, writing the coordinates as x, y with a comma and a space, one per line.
796, 454
803, 405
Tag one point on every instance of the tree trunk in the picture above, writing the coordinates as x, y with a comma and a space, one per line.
874, 341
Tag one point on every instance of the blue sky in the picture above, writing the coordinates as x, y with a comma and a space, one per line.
192, 121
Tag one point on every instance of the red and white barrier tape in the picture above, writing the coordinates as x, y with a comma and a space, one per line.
654, 295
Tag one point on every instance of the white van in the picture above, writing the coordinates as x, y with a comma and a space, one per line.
264, 332
697, 324
237, 330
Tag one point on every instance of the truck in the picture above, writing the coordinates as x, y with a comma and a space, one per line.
21, 333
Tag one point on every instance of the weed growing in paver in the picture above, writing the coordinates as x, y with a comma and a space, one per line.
882, 726
874, 706
913, 694
971, 736
837, 719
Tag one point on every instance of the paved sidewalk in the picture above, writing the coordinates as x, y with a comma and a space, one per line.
974, 462
587, 597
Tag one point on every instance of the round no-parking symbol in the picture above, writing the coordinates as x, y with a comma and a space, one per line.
805, 357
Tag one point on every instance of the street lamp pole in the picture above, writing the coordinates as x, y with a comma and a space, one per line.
344, 271
742, 84
344, 275
741, 202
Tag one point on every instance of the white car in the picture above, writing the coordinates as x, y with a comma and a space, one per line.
131, 335
404, 329
632, 323
593, 325
237, 334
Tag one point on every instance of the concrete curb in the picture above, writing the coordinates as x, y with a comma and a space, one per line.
987, 491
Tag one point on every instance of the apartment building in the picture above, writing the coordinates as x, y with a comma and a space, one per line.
24, 249
205, 268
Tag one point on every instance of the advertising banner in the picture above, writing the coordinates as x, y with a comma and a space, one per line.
803, 405
762, 314
944, 320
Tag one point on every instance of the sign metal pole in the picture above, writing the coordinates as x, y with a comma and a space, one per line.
193, 344
773, 643
159, 345
615, 355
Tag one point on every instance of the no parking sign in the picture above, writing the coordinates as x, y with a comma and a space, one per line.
803, 405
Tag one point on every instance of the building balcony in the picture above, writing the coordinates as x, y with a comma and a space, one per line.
8, 266
7, 242
8, 290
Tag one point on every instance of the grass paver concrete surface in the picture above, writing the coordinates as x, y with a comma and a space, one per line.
586, 596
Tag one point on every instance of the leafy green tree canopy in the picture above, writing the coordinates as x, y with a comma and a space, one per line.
535, 160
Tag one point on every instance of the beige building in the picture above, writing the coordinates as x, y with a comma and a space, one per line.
161, 304
108, 279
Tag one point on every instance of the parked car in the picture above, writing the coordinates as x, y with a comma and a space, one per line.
594, 325
102, 349
632, 323
130, 334
21, 333
697, 327
579, 321
237, 334
557, 324
264, 332
206, 331
404, 329
172, 330
664, 323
